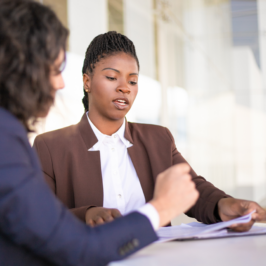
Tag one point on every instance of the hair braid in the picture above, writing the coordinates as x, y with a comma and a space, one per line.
104, 45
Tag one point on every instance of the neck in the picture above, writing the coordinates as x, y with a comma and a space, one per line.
104, 125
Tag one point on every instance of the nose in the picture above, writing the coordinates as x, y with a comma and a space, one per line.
123, 87
59, 82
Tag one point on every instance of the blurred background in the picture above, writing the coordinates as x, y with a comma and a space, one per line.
203, 75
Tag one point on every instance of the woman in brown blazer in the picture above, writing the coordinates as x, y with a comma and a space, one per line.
79, 169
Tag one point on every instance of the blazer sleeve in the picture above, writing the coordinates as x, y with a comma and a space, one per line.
32, 217
205, 209
48, 172
46, 161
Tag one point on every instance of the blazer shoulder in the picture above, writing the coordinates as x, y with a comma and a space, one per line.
150, 131
146, 127
58, 136
10, 124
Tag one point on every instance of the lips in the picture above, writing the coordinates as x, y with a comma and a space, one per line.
121, 103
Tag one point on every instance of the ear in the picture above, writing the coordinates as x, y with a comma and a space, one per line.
87, 82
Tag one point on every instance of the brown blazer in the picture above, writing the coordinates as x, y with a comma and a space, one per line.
74, 173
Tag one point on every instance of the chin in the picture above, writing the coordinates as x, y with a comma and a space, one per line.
45, 112
117, 115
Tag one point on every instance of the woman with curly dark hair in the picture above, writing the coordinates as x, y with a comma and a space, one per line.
26, 64
35, 228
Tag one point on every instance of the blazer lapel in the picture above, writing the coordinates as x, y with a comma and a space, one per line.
92, 190
140, 160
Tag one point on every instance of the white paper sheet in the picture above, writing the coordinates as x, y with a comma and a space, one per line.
199, 230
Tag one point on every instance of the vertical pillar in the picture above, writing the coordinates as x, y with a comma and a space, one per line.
86, 19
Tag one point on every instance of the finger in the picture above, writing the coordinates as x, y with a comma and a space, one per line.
261, 217
242, 227
255, 216
249, 206
188, 178
196, 195
106, 216
116, 213
260, 214
90, 223
246, 207
180, 169
98, 220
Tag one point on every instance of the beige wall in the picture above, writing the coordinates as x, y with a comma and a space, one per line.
60, 7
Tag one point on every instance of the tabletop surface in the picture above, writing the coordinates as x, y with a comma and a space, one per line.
244, 251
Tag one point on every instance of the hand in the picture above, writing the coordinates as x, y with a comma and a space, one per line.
230, 208
99, 215
174, 193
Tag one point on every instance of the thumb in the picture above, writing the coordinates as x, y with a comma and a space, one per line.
181, 169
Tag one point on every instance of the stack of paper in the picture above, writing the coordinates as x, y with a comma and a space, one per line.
199, 230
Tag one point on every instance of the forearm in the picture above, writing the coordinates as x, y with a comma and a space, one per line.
205, 209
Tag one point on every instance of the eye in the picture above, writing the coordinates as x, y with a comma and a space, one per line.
57, 70
133, 83
62, 66
110, 78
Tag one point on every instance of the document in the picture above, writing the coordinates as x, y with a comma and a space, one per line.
200, 231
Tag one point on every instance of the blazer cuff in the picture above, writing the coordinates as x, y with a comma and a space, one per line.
216, 210
216, 217
152, 214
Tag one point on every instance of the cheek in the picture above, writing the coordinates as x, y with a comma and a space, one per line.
101, 90
134, 92
57, 82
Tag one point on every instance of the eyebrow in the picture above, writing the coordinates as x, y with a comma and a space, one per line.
131, 74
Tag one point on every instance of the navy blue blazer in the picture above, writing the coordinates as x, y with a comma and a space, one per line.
36, 229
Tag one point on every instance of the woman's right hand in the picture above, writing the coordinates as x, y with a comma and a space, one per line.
100, 215
174, 193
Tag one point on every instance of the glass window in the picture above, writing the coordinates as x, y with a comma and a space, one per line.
203, 69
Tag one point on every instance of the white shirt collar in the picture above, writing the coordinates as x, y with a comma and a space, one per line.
100, 136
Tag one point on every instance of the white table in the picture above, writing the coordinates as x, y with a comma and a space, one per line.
244, 251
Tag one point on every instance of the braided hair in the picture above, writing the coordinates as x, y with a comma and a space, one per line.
101, 46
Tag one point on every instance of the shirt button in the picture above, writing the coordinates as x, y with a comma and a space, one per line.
113, 149
119, 195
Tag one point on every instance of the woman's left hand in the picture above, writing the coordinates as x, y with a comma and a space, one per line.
230, 208
100, 215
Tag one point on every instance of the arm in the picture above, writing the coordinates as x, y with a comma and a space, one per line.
45, 226
205, 209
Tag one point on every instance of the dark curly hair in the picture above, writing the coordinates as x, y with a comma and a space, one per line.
31, 37
101, 46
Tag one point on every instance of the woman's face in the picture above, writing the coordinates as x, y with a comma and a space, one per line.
113, 86
56, 79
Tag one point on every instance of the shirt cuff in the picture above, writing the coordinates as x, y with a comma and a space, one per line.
151, 213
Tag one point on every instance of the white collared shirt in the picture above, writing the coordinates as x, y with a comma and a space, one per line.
121, 186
